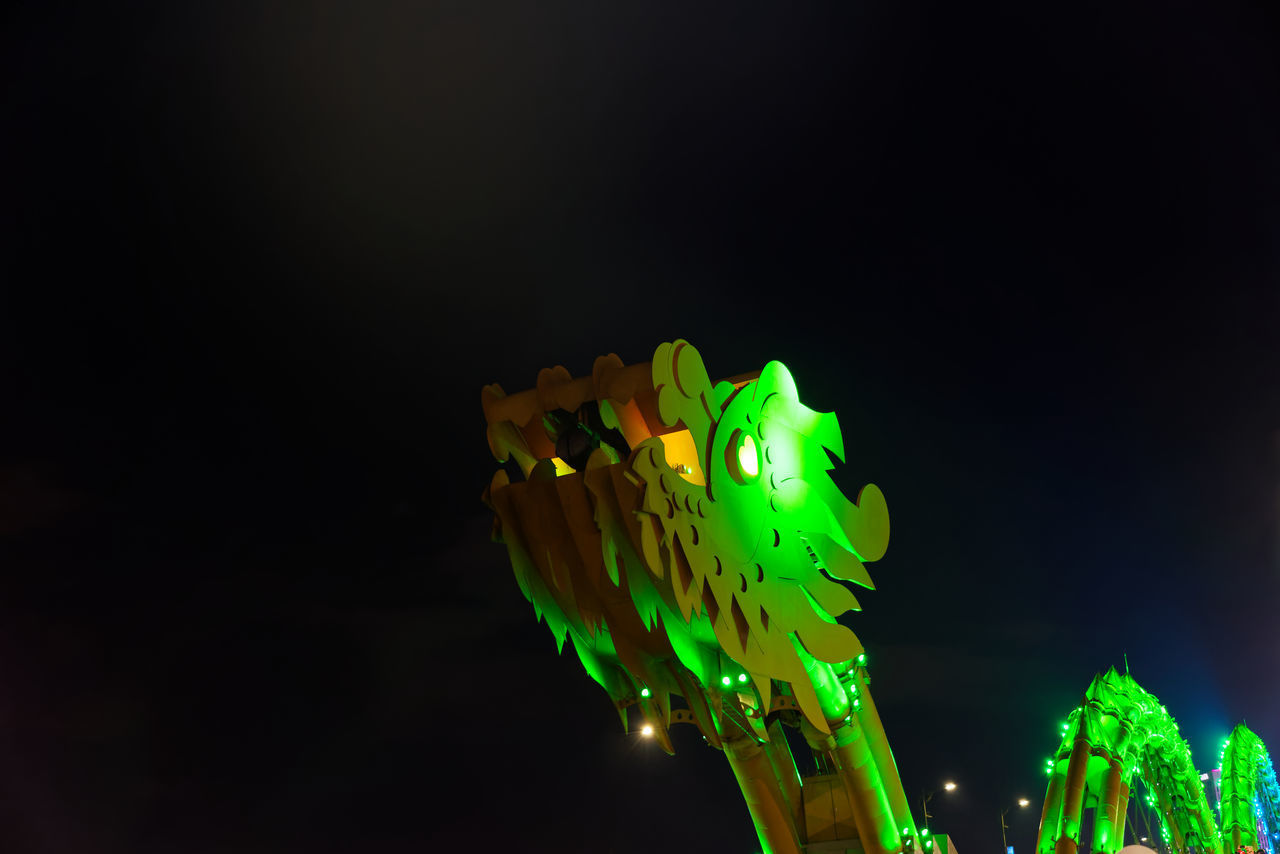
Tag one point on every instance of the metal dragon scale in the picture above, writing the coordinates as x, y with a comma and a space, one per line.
686, 537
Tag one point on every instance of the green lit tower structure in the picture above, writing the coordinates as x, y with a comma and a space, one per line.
686, 538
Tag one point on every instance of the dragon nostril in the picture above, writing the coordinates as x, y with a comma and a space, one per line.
759, 574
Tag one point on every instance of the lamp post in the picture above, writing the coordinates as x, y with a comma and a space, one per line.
1023, 803
925, 797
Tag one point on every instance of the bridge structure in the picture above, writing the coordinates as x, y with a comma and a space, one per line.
686, 538
1120, 735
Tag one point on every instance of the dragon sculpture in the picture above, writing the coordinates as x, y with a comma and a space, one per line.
686, 537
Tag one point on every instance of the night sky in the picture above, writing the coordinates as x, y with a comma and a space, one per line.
259, 259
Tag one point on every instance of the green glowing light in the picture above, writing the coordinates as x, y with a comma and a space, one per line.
747, 459
644, 692
742, 677
726, 681
862, 658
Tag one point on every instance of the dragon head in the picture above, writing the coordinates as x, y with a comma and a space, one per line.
757, 533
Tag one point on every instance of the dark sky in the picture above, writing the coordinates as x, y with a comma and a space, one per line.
259, 259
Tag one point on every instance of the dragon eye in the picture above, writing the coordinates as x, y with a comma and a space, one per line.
747, 460
742, 457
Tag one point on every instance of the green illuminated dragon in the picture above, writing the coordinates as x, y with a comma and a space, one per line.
685, 535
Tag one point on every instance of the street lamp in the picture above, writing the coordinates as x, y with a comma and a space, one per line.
1023, 803
948, 786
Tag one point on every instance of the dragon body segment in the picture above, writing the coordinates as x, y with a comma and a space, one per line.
1119, 732
1250, 796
